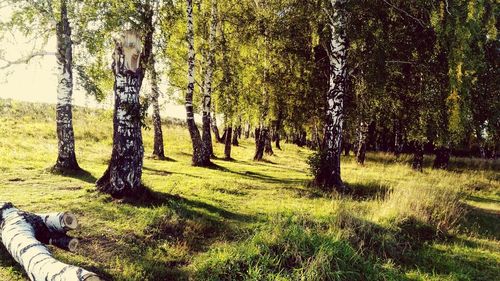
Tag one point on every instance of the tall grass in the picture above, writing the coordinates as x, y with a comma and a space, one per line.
439, 207
290, 248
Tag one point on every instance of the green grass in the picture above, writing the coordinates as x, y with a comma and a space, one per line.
246, 220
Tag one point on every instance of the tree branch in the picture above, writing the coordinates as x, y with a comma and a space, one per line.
25, 60
419, 21
447, 7
399, 61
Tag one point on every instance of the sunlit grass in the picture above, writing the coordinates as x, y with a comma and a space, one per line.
244, 218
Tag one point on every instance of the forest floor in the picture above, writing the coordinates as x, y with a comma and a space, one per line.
246, 220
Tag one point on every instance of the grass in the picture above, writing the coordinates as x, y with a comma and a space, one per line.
246, 220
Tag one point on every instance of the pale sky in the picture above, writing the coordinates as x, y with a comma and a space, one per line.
37, 80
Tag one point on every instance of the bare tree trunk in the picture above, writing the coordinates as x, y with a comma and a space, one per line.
261, 135
331, 178
277, 131
200, 158
247, 131
442, 159
215, 129
398, 146
227, 146
418, 157
158, 148
480, 140
362, 135
123, 176
235, 138
207, 89
268, 147
66, 159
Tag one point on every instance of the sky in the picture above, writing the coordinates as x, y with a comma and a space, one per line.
36, 81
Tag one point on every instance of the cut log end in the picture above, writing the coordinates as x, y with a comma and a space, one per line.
73, 245
70, 221
65, 242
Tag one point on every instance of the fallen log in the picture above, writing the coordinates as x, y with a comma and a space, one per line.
59, 222
24, 235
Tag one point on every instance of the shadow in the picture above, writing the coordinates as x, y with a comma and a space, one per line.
263, 160
183, 206
166, 159
234, 192
156, 171
276, 166
185, 154
258, 176
481, 222
7, 262
472, 265
132, 249
167, 173
82, 175
483, 200
368, 191
307, 193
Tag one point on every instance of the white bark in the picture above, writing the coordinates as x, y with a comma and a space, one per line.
19, 233
337, 54
207, 90
191, 58
59, 222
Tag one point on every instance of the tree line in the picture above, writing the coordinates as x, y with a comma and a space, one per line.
337, 76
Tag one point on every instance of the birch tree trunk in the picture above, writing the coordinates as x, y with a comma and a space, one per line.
158, 148
227, 146
200, 157
66, 159
207, 89
480, 140
24, 235
362, 135
398, 145
335, 99
123, 176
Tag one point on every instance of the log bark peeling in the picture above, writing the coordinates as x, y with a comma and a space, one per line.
24, 235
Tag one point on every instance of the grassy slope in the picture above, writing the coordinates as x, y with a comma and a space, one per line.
203, 215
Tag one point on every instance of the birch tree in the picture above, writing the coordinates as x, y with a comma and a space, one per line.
52, 19
330, 177
207, 89
200, 156
123, 175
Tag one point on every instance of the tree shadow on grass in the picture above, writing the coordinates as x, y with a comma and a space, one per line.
481, 222
258, 176
184, 206
306, 193
187, 224
470, 265
156, 171
6, 261
82, 175
368, 191
156, 158
166, 173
